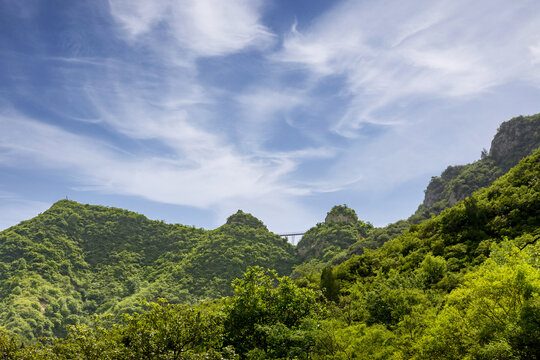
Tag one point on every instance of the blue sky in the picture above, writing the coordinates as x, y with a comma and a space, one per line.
187, 110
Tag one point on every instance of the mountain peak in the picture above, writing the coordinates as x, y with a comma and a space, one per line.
242, 218
341, 213
515, 139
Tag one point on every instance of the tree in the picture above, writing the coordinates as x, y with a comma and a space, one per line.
8, 346
329, 286
171, 331
271, 316
493, 315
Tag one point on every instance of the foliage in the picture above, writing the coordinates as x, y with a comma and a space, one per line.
76, 260
515, 139
484, 318
464, 284
163, 331
271, 317
328, 284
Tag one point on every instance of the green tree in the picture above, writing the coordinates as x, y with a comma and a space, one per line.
329, 285
8, 346
491, 316
171, 331
271, 317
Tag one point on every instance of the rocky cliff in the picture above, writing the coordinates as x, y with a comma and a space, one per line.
515, 139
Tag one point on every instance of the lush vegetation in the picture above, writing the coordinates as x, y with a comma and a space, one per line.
328, 242
90, 282
77, 260
267, 317
462, 285
515, 139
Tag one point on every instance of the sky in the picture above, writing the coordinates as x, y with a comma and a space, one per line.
188, 110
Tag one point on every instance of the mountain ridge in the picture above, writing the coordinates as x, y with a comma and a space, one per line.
464, 284
74, 260
514, 140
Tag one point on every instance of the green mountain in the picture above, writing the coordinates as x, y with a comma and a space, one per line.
515, 139
75, 260
458, 280
327, 241
334, 241
340, 230
464, 284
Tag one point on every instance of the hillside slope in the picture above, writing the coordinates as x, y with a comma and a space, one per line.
75, 260
462, 285
515, 139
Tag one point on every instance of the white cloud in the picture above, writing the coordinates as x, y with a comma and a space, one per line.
535, 53
217, 178
371, 65
391, 51
204, 27
261, 111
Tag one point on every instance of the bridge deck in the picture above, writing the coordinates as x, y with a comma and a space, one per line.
291, 234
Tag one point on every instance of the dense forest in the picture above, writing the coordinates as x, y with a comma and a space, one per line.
76, 260
460, 279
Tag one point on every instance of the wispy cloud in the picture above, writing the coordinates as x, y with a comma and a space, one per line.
535, 53
389, 51
211, 174
165, 146
202, 27
201, 103
261, 111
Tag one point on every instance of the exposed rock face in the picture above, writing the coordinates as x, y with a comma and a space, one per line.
515, 139
434, 192
437, 188
341, 214
454, 197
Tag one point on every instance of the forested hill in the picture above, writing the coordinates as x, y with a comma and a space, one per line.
338, 238
75, 260
515, 139
462, 285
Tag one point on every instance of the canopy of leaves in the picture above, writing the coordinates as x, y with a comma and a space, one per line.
75, 260
462, 285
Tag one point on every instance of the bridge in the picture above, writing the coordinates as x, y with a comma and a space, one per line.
291, 237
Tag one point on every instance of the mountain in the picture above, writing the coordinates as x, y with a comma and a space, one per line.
394, 288
333, 242
75, 260
340, 229
329, 240
464, 284
514, 140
